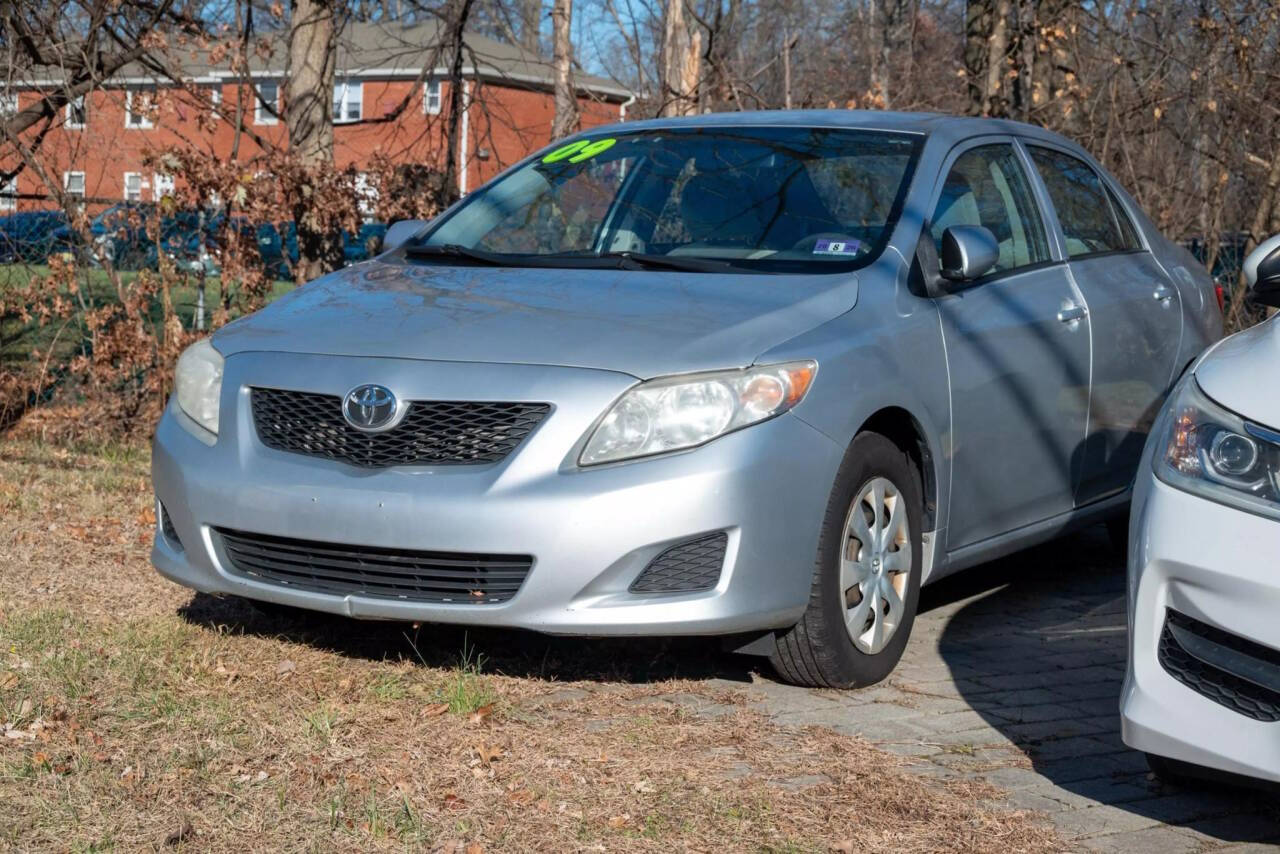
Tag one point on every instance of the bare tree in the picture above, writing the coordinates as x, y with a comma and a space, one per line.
566, 118
308, 112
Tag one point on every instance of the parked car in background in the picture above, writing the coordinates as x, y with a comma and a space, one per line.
759, 375
1202, 688
31, 237
117, 235
364, 244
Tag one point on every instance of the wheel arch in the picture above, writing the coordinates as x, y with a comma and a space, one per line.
899, 426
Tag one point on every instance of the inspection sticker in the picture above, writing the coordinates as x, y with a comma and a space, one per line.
837, 247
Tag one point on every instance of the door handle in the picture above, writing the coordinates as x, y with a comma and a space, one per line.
1072, 313
1162, 293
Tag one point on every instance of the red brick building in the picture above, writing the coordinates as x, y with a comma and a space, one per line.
97, 147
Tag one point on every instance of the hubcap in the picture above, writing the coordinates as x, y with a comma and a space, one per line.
875, 564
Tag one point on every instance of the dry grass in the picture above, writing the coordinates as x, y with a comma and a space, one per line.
138, 715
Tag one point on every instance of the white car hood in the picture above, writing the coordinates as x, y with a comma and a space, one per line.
1236, 374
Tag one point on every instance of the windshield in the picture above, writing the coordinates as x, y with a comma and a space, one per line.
773, 199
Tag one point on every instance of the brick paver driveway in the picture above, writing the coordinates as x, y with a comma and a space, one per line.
1013, 674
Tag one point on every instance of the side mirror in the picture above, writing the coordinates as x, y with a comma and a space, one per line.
399, 233
968, 252
1262, 272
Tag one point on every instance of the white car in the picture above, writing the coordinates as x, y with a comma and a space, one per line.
1202, 690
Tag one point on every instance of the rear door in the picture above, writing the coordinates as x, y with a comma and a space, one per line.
1017, 344
1134, 313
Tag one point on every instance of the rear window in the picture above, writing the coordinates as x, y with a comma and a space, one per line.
1092, 219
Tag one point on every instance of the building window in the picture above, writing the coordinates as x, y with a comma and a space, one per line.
73, 183
139, 107
214, 91
75, 116
431, 98
133, 186
347, 98
163, 185
366, 196
9, 194
8, 104
266, 108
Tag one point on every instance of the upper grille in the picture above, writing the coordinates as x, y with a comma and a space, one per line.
1228, 689
432, 432
684, 568
375, 571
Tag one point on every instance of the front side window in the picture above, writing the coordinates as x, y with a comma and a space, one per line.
987, 186
773, 199
1091, 218
132, 187
347, 97
267, 102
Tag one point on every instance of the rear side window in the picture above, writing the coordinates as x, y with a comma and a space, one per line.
986, 186
1091, 217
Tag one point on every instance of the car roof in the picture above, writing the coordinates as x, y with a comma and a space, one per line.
950, 128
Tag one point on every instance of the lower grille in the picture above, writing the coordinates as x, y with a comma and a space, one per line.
1227, 688
447, 577
684, 568
432, 432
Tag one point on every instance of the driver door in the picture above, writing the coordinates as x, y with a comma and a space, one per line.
1017, 344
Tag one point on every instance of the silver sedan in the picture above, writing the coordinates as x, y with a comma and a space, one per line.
753, 375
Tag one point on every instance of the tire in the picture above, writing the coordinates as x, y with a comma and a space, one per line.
820, 651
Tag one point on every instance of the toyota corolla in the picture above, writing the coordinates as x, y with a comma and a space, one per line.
758, 376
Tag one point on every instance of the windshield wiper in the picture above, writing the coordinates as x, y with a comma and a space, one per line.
642, 260
453, 250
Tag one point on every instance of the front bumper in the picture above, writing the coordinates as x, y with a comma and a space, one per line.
1215, 565
590, 531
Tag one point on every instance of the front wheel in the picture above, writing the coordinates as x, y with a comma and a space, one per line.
867, 580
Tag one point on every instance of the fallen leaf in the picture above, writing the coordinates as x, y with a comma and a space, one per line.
435, 709
481, 714
619, 821
284, 668
642, 787
522, 797
487, 753
8, 681
453, 802
475, 848
844, 846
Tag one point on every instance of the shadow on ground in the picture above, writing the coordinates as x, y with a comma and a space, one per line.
505, 651
1036, 644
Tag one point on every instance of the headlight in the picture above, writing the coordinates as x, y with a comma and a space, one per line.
1218, 455
198, 383
672, 413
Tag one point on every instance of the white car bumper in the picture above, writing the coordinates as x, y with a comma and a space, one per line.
1203, 698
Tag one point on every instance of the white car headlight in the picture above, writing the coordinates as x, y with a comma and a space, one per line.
673, 413
1218, 455
198, 384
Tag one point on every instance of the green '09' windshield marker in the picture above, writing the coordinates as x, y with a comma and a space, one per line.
583, 149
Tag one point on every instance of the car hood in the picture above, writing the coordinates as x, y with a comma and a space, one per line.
644, 323
1232, 373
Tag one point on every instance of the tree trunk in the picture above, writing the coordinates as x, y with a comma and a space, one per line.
458, 15
566, 119
977, 25
995, 101
530, 25
678, 63
308, 114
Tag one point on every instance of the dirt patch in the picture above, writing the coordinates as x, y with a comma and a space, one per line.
136, 714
